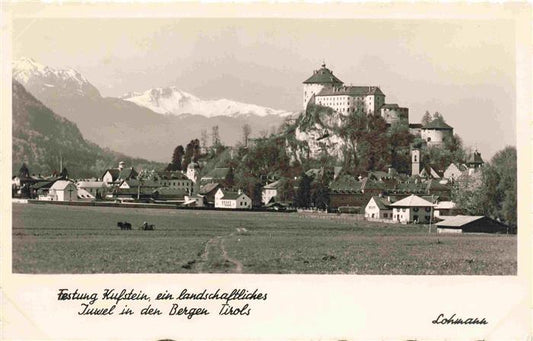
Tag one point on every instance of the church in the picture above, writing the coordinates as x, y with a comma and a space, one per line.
325, 89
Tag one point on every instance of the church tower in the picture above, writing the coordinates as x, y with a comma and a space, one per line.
193, 171
320, 79
415, 162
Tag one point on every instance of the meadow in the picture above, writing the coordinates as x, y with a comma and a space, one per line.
74, 239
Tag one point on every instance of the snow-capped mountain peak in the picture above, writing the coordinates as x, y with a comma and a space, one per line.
174, 101
39, 77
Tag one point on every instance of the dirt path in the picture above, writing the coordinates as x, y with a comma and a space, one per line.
214, 248
238, 265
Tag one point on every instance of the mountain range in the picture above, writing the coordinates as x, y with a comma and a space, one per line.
148, 124
174, 101
41, 139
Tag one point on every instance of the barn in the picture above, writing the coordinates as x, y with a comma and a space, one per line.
470, 224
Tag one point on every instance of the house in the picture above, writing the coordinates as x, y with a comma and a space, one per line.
444, 209
415, 129
85, 195
471, 224
454, 170
40, 189
176, 180
392, 113
412, 209
232, 200
169, 194
474, 160
345, 191
134, 184
115, 175
195, 200
438, 188
220, 175
97, 189
378, 208
270, 192
63, 190
131, 194
429, 172
209, 191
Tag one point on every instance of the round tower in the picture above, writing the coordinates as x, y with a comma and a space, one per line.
319, 80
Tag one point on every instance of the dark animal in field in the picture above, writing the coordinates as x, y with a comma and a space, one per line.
147, 227
124, 225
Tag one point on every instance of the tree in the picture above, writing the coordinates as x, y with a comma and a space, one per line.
246, 131
399, 140
24, 171
192, 153
504, 164
177, 158
455, 145
303, 193
64, 173
496, 194
438, 117
229, 181
426, 118
215, 136
203, 139
320, 194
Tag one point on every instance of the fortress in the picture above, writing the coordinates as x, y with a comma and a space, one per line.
324, 89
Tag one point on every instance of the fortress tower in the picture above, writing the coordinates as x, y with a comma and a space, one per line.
322, 78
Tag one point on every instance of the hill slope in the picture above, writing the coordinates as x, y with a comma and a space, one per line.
40, 137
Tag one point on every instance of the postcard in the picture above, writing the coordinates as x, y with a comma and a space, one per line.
200, 171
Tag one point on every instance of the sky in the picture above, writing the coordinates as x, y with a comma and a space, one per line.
464, 69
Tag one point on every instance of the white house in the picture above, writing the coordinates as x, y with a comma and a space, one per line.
454, 171
412, 209
270, 191
378, 208
444, 209
95, 188
63, 190
232, 200
113, 175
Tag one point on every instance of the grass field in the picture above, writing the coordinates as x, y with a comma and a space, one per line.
69, 239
